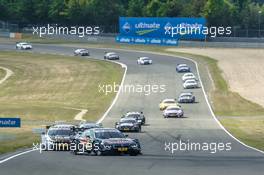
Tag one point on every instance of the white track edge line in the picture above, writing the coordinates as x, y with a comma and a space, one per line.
117, 95
16, 155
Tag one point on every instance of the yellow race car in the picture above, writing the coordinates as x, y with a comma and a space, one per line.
167, 102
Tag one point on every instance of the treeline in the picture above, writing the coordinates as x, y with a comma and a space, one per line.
240, 13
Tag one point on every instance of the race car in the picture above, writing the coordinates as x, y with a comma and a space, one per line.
128, 124
139, 116
144, 60
23, 46
103, 141
173, 111
81, 52
188, 76
167, 102
57, 137
186, 97
182, 68
111, 56
189, 84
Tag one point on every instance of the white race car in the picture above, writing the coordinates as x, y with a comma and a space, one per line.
191, 83
81, 52
188, 76
23, 46
57, 137
111, 56
144, 60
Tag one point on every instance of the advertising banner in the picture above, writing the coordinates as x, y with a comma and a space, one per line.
159, 30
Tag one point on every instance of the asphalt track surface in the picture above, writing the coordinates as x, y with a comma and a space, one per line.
198, 126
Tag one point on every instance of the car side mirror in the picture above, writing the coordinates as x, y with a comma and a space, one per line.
43, 133
126, 135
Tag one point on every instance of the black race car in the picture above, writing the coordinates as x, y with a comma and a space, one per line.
128, 125
103, 141
139, 116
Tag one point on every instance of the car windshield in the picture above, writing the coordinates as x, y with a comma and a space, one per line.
145, 58
24, 43
133, 115
108, 134
191, 81
128, 121
171, 109
88, 125
169, 101
62, 132
186, 96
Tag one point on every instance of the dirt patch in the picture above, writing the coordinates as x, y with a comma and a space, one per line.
242, 69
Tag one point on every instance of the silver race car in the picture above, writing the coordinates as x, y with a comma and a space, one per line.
144, 60
182, 68
111, 56
186, 97
81, 52
173, 111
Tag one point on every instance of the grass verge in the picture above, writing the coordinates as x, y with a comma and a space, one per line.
2, 73
46, 88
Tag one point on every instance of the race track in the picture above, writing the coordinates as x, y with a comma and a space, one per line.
198, 126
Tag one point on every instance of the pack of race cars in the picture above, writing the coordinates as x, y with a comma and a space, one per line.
92, 138
171, 107
88, 138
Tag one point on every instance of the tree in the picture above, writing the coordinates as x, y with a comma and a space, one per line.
219, 12
57, 11
135, 8
153, 8
3, 10
172, 8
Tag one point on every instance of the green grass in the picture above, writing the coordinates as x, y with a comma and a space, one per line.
2, 73
46, 88
247, 129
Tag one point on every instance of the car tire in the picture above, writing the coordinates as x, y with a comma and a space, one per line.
99, 153
139, 129
74, 152
133, 154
